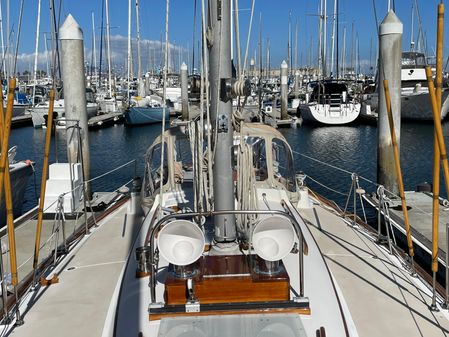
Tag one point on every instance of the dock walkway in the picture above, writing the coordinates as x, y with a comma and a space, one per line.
420, 216
105, 119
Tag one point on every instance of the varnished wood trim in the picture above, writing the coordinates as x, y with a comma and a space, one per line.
302, 311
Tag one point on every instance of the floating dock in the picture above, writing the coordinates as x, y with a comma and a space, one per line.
419, 206
105, 119
23, 120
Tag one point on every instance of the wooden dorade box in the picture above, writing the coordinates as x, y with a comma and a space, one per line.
228, 279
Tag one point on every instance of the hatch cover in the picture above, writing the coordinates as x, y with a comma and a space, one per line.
257, 325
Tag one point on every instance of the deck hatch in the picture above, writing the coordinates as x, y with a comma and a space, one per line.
256, 325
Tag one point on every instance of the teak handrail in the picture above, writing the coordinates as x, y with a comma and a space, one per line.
44, 179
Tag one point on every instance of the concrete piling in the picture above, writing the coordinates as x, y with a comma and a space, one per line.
284, 90
390, 54
72, 58
184, 92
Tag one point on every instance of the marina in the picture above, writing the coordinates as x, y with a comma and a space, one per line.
253, 169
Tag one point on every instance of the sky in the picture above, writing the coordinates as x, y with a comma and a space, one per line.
274, 16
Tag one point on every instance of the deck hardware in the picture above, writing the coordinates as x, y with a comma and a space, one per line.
189, 215
193, 306
232, 88
299, 299
143, 261
383, 208
321, 332
45, 282
155, 305
356, 190
445, 304
219, 9
223, 123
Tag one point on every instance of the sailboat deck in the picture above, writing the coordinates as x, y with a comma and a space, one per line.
374, 285
78, 304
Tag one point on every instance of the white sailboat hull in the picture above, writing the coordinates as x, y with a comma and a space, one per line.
330, 115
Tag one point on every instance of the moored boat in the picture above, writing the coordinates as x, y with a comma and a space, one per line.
329, 103
136, 115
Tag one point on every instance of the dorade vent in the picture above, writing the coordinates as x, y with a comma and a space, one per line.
181, 242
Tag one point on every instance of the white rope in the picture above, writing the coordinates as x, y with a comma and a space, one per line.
192, 141
164, 97
205, 85
246, 192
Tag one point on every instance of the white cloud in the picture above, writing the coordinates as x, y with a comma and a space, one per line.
151, 55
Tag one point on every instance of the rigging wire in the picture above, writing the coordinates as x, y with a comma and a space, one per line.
164, 97
18, 36
237, 37
249, 36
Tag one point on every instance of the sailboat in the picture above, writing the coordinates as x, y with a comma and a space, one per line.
328, 101
237, 248
142, 109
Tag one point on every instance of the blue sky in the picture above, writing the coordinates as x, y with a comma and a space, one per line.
274, 21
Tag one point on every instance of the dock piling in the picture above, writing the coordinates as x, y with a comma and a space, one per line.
72, 56
284, 90
184, 93
390, 53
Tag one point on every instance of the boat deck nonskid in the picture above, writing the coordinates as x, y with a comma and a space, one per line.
78, 304
374, 284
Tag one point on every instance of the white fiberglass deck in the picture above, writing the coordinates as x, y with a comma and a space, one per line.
382, 297
78, 304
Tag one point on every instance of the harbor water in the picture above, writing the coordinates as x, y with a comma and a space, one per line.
351, 148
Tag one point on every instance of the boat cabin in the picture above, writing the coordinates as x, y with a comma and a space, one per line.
413, 70
330, 93
268, 153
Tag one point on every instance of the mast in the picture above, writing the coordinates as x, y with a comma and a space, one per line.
8, 40
343, 54
289, 39
101, 42
325, 39
139, 61
94, 45
296, 46
129, 48
333, 37
352, 47
337, 38
108, 46
268, 59
55, 37
260, 62
2, 38
193, 38
221, 115
37, 47
412, 40
46, 55
320, 55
